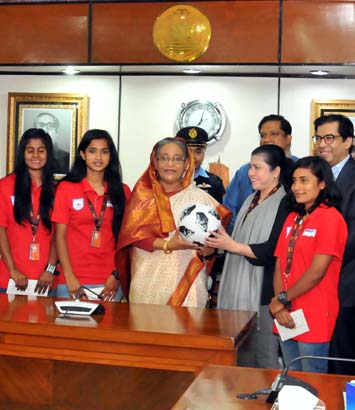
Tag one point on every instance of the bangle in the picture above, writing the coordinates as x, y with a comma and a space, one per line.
52, 269
115, 275
165, 247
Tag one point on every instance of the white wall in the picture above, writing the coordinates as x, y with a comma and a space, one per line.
149, 106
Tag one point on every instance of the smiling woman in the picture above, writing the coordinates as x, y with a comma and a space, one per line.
88, 210
309, 257
246, 281
165, 269
26, 200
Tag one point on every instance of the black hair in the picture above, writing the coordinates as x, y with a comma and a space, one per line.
179, 141
112, 174
275, 156
284, 124
23, 183
329, 196
345, 126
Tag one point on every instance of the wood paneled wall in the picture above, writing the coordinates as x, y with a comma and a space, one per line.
123, 33
44, 34
243, 31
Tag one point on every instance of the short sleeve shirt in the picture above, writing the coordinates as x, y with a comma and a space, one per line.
323, 232
20, 235
90, 265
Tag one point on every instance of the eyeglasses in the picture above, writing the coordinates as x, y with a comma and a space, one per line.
176, 159
46, 125
328, 139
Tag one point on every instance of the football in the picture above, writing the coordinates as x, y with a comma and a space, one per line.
196, 221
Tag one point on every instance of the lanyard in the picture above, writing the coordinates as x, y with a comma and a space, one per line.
256, 199
98, 221
295, 233
34, 221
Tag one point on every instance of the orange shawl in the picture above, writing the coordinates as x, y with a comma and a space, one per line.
148, 214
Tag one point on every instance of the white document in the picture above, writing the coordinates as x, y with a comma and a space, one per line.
300, 328
30, 290
296, 398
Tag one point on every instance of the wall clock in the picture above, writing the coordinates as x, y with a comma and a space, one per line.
205, 114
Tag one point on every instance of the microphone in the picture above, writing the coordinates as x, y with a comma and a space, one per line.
86, 288
283, 378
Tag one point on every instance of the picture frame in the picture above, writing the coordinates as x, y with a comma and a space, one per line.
63, 116
326, 107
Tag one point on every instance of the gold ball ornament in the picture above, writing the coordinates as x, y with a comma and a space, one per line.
182, 33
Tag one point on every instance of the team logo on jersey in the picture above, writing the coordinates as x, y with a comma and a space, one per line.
78, 203
310, 232
12, 199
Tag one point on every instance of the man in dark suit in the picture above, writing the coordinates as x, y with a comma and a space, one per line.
333, 140
196, 138
50, 123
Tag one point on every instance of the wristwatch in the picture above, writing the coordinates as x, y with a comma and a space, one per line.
115, 274
282, 298
52, 269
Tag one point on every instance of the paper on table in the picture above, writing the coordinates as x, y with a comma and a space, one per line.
296, 398
300, 328
30, 290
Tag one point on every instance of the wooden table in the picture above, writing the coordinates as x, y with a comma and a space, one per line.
149, 336
132, 357
216, 388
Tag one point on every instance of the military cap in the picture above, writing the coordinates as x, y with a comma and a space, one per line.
193, 136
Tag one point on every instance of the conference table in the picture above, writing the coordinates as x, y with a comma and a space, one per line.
133, 356
216, 387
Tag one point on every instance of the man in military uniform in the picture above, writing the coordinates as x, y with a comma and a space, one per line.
196, 138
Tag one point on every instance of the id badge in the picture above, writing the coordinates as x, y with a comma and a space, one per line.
34, 251
96, 239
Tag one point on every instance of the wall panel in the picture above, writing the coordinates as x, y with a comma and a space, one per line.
242, 31
318, 32
43, 34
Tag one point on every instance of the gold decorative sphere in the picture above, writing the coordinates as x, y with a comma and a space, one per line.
182, 33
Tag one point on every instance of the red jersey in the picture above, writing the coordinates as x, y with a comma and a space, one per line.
91, 265
20, 236
323, 232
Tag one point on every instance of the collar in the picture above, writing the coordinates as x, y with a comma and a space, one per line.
201, 173
336, 169
86, 187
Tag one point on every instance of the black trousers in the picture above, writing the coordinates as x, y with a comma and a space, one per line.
343, 342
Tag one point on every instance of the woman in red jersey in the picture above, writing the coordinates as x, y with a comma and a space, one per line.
26, 200
309, 256
88, 211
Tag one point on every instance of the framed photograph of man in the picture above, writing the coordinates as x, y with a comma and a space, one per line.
326, 107
62, 116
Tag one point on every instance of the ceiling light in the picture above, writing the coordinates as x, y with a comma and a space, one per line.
319, 72
70, 71
191, 71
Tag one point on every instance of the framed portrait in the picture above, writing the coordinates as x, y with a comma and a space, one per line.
326, 107
63, 116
